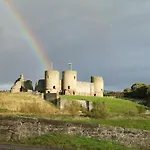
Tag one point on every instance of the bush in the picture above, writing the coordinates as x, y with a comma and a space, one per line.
99, 111
73, 107
131, 113
28, 85
3, 110
141, 109
35, 107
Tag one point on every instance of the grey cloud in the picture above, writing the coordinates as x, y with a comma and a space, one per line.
100, 37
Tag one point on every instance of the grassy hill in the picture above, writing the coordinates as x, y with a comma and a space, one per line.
28, 103
122, 111
25, 103
115, 105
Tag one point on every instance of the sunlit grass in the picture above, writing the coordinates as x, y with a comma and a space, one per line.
115, 105
25, 103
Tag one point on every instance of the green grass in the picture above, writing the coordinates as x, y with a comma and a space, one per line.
77, 143
132, 122
115, 105
126, 123
3, 110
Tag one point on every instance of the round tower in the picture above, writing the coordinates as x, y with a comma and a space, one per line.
52, 81
69, 82
98, 84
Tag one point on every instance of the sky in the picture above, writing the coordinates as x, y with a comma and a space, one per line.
108, 38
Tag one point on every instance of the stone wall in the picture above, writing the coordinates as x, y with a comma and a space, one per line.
61, 103
17, 128
84, 88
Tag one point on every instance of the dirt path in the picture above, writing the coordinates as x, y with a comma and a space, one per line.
22, 147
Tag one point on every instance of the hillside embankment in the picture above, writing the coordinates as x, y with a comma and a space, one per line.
23, 147
14, 128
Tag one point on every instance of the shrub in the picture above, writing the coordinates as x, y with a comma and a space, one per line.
131, 113
28, 85
73, 107
3, 110
141, 109
35, 107
99, 111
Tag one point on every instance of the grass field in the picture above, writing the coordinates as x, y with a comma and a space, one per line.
76, 143
114, 105
125, 123
142, 123
25, 103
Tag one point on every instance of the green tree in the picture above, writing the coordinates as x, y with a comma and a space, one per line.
28, 85
139, 90
127, 92
99, 111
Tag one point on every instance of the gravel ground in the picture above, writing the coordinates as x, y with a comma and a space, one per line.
22, 147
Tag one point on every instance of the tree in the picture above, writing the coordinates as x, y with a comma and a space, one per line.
127, 92
139, 90
148, 92
28, 85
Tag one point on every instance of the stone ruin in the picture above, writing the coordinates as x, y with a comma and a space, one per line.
18, 85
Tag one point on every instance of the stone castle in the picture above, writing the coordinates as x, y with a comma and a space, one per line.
68, 85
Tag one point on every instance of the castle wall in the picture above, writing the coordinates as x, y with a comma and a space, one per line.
19, 83
60, 85
84, 88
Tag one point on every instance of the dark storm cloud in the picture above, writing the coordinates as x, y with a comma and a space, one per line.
100, 37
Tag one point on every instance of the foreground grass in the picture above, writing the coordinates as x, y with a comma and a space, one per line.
130, 122
115, 105
133, 123
77, 143
25, 103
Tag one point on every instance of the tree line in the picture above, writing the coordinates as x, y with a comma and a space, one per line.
136, 91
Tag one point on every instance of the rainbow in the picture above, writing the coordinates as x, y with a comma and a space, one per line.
28, 35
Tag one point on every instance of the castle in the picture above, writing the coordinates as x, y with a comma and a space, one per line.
68, 85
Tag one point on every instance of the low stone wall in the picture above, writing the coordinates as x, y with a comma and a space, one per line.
17, 128
61, 103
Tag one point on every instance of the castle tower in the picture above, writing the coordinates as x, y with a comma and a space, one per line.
98, 83
69, 82
52, 81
